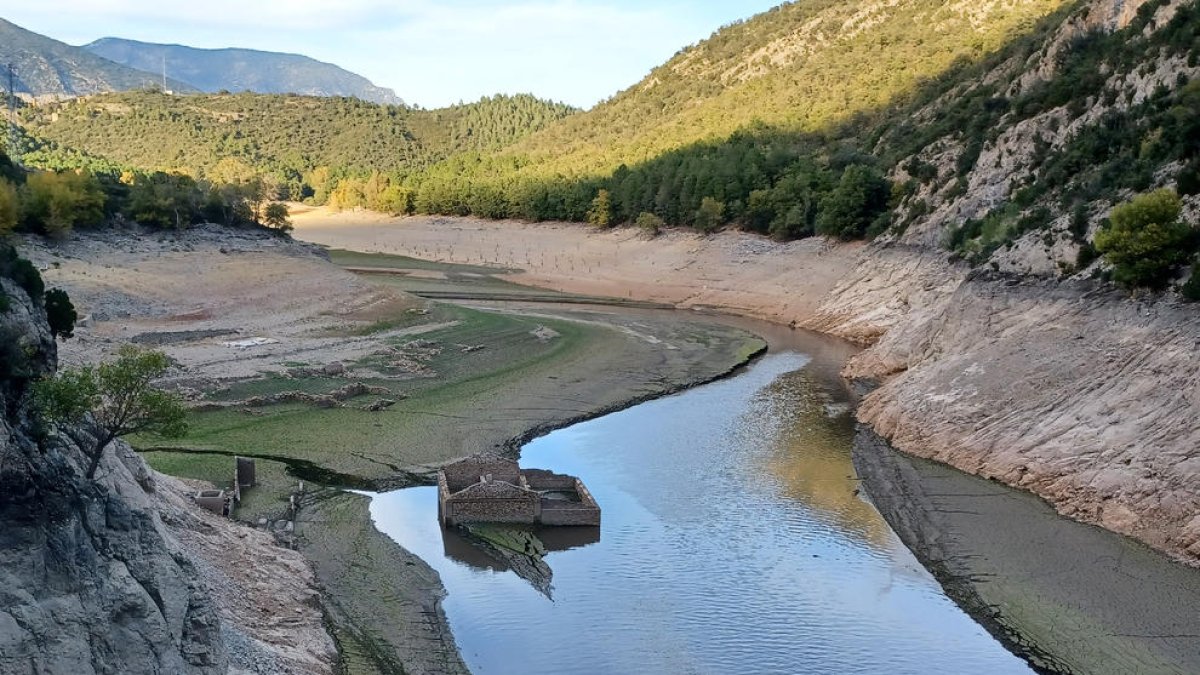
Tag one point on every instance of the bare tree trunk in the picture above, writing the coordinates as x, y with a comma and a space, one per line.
97, 454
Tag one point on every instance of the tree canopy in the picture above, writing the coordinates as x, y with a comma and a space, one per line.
1145, 241
94, 406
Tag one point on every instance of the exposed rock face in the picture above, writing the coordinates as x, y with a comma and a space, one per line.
1069, 390
89, 580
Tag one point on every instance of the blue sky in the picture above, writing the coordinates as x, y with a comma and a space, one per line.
431, 52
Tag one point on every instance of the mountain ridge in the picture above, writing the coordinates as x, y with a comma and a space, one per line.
50, 69
237, 69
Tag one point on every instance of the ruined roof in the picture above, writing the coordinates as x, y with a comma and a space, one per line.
494, 489
484, 459
469, 471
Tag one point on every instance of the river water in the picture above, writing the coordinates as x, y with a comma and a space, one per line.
734, 540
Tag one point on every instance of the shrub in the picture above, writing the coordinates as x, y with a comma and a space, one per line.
1189, 178
650, 223
22, 272
1144, 240
60, 313
860, 197
710, 215
1191, 289
55, 203
275, 216
600, 214
8, 207
115, 399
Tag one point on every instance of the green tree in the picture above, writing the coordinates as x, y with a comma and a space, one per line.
95, 406
55, 202
710, 215
396, 200
860, 197
1144, 240
164, 200
600, 214
275, 216
8, 207
60, 313
650, 223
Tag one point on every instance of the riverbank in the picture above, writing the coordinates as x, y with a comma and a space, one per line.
321, 374
1069, 390
1069, 598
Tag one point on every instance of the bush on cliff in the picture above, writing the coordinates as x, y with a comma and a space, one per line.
95, 406
1145, 241
1191, 289
60, 313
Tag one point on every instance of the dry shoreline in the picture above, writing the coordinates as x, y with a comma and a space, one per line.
1065, 389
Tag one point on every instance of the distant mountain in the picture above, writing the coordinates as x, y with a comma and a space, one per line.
47, 68
236, 70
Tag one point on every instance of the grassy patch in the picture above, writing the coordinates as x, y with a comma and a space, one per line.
377, 444
267, 499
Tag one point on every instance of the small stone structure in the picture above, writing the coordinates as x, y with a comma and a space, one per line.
486, 489
212, 500
222, 502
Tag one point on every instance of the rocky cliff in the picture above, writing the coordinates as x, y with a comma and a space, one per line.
90, 579
1068, 389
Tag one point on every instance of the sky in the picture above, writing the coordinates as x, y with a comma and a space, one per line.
431, 52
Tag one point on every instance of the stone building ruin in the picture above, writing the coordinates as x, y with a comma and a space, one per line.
487, 489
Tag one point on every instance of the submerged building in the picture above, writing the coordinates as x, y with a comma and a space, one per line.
488, 489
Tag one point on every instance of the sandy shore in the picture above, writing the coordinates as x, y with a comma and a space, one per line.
677, 267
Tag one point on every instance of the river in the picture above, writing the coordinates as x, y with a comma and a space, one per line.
735, 538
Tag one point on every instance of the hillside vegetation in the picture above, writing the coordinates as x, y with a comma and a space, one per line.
799, 67
1013, 159
47, 68
1005, 131
300, 142
236, 70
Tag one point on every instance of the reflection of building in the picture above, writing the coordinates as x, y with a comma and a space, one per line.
485, 489
461, 546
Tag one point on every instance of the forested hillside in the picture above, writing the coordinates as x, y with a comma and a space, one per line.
47, 68
1013, 158
730, 116
302, 143
1005, 131
236, 70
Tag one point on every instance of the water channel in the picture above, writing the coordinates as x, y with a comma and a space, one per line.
735, 538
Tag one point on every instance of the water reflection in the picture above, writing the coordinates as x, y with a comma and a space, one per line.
806, 428
733, 541
520, 550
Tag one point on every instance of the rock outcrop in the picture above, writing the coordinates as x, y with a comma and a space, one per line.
1070, 390
90, 580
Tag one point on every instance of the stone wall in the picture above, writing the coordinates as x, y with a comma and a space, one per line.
540, 479
467, 472
494, 510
